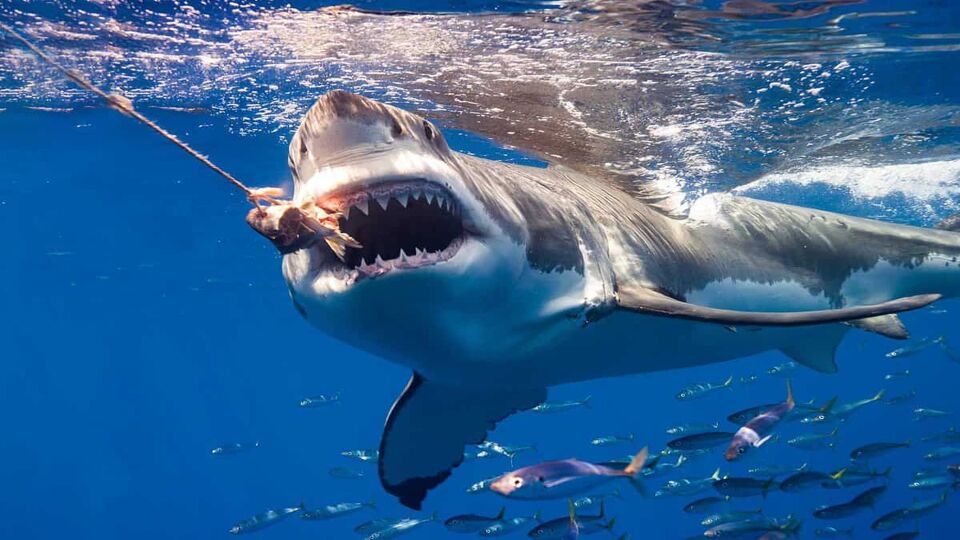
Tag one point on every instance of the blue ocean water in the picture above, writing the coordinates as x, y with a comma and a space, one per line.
144, 323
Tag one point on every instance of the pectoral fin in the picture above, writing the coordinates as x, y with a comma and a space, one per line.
645, 300
429, 426
762, 441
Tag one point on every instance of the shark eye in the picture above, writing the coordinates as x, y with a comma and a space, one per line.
741, 450
517, 482
428, 130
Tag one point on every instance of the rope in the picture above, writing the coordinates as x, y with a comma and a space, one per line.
125, 106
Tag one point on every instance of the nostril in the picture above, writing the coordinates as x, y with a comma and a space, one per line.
428, 130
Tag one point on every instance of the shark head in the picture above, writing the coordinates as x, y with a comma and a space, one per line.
444, 265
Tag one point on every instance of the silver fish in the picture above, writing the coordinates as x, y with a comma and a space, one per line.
472, 523
706, 504
922, 413
400, 527
691, 428
322, 400
553, 407
234, 448
612, 440
263, 520
896, 375
344, 473
783, 370
507, 526
944, 452
730, 517
700, 390
688, 486
768, 471
832, 532
814, 441
363, 454
914, 348
335, 510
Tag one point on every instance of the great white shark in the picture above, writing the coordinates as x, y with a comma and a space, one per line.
495, 281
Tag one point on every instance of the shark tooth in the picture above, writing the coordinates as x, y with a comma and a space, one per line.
383, 199
430, 197
362, 205
417, 194
403, 197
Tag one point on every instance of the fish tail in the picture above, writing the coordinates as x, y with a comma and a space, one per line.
886, 473
536, 516
302, 505
716, 474
586, 401
603, 511
636, 464
835, 431
609, 525
790, 402
828, 406
503, 511
616, 493
433, 516
571, 511
729, 382
839, 474
767, 486
879, 395
372, 504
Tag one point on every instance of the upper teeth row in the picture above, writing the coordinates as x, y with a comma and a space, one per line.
403, 195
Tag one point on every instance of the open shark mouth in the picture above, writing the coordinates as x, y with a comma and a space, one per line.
400, 225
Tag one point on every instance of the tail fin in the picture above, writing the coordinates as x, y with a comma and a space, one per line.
433, 517
766, 487
636, 464
835, 431
616, 493
603, 510
302, 505
586, 401
372, 504
790, 401
886, 473
536, 516
716, 475
503, 511
728, 383
571, 511
839, 474
879, 395
609, 525
716, 425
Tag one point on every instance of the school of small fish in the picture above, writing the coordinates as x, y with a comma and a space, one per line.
716, 501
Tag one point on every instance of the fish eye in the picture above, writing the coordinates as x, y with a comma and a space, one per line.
741, 450
517, 482
428, 130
